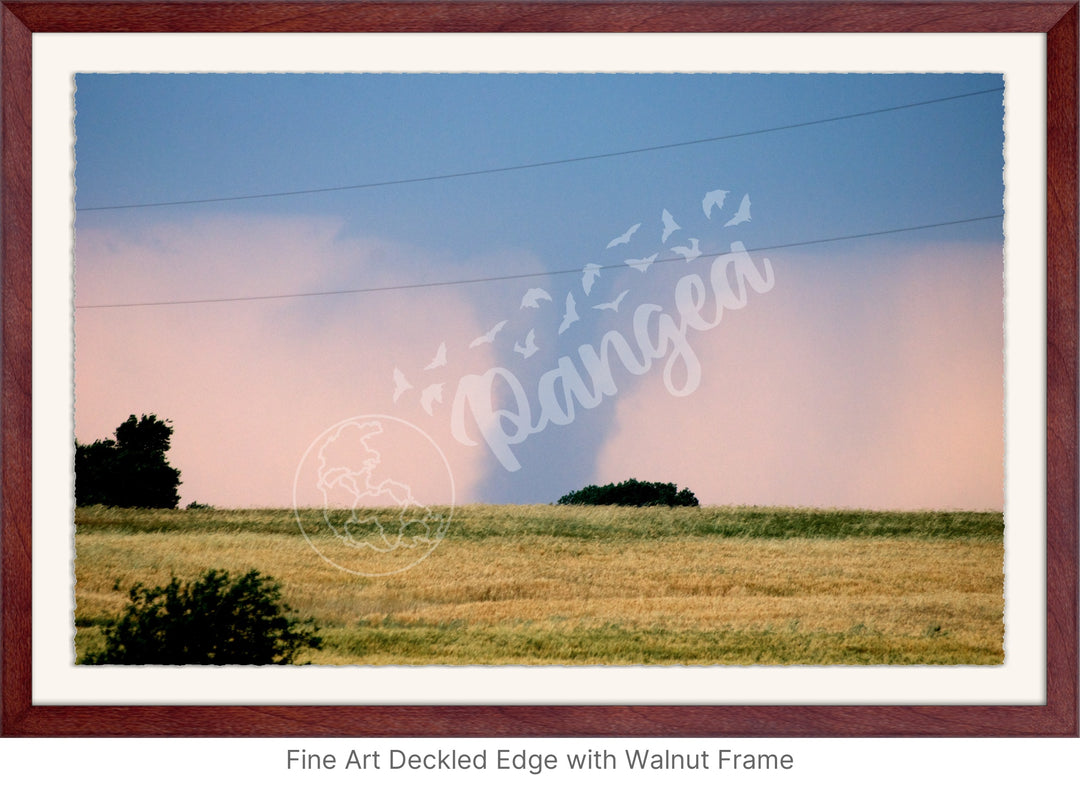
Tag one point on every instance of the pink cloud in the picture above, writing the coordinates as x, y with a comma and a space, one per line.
249, 385
858, 383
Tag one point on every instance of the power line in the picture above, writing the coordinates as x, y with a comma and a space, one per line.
522, 276
544, 164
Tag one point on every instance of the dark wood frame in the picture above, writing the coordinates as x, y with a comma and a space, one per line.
1058, 717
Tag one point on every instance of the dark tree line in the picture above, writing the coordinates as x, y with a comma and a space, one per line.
630, 493
130, 469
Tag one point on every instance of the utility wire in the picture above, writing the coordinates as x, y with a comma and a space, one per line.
524, 275
568, 160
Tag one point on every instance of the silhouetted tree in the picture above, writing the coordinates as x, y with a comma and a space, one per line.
630, 493
131, 470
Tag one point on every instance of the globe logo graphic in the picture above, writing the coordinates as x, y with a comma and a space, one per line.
373, 495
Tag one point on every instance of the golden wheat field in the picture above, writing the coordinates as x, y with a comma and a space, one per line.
590, 585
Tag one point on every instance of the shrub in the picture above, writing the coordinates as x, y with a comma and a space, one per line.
630, 493
214, 620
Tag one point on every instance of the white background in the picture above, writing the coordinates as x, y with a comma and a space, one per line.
880, 765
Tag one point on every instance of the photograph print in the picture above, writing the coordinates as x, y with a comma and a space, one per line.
560, 369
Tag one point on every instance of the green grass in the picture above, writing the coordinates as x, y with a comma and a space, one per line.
574, 585
524, 644
588, 522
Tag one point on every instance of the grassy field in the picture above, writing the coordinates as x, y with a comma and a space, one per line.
569, 585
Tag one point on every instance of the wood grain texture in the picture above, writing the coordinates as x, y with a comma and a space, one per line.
540, 721
627, 17
15, 384
1062, 200
1057, 718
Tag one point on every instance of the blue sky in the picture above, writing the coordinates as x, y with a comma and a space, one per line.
163, 138
146, 138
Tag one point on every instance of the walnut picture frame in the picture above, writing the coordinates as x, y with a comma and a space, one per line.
21, 716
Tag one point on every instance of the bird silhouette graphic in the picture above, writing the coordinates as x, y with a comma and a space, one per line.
530, 347
571, 315
689, 253
670, 226
590, 273
622, 240
614, 304
742, 215
532, 298
439, 359
431, 395
712, 199
400, 384
489, 336
643, 264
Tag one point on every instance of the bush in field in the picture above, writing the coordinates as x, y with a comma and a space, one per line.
630, 493
215, 620
130, 470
